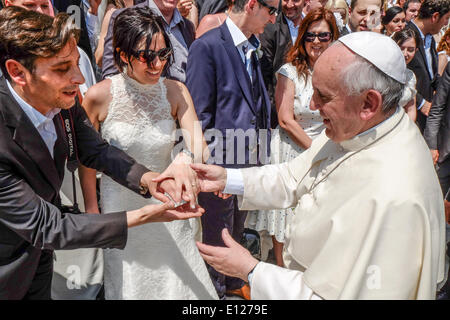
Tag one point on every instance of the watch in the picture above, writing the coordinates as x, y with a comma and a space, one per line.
189, 153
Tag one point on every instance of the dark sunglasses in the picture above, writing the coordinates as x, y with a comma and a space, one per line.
147, 56
323, 36
272, 10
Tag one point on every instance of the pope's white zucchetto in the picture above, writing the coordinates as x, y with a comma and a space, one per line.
380, 50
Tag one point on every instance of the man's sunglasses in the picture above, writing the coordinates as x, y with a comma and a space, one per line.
147, 56
272, 10
323, 36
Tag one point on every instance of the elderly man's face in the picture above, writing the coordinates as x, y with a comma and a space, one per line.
340, 112
292, 9
412, 11
166, 6
41, 6
365, 15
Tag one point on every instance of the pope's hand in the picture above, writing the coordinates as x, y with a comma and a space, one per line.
211, 178
233, 260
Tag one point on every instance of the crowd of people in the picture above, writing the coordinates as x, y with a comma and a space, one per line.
323, 124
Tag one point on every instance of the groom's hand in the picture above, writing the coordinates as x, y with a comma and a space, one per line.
164, 212
157, 189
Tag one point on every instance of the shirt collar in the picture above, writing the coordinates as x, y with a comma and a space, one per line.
176, 18
375, 133
239, 39
35, 116
420, 31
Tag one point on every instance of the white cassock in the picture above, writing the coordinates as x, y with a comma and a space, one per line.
369, 218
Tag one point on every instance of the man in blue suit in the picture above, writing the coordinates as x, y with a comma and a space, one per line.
225, 81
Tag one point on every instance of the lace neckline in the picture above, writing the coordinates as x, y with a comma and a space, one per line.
140, 86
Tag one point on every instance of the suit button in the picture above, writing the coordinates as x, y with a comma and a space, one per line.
253, 121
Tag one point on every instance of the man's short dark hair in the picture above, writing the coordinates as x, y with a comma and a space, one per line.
429, 7
406, 4
132, 26
353, 4
26, 35
239, 5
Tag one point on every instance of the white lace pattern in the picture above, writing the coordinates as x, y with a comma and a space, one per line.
160, 260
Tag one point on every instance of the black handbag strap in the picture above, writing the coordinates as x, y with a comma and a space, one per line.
72, 159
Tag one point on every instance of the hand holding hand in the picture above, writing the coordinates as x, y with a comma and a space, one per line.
211, 178
232, 260
186, 183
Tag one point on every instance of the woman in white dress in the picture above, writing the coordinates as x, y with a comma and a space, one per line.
136, 111
298, 125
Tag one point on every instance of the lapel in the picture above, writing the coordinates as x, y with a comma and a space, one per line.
60, 151
239, 68
421, 47
284, 30
27, 137
434, 57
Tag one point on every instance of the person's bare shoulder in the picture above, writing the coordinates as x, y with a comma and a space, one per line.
97, 99
208, 22
177, 94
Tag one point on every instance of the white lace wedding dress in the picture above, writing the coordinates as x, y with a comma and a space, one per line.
160, 260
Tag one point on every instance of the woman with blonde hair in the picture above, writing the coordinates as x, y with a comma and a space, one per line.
339, 6
443, 50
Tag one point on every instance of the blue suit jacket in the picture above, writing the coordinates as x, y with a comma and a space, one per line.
221, 90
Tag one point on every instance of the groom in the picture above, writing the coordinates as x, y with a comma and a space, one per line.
39, 62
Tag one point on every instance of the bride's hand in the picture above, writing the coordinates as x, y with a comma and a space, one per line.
185, 177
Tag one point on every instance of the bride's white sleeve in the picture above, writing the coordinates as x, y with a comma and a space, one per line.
270, 282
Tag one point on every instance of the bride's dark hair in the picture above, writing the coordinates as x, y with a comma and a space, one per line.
131, 27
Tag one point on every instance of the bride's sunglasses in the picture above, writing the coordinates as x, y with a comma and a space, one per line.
147, 56
323, 36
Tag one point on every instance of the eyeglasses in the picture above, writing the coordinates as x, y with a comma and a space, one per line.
147, 56
272, 10
323, 36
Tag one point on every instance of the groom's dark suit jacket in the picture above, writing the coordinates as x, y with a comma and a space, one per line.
425, 84
31, 225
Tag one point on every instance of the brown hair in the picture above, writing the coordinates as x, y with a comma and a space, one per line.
443, 46
297, 54
27, 35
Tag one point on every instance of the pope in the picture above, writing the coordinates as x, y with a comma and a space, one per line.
369, 217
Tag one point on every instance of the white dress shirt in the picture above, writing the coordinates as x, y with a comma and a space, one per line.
244, 47
43, 123
293, 30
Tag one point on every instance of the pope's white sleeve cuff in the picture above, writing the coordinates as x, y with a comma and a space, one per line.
235, 182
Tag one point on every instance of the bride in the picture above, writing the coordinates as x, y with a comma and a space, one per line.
136, 111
